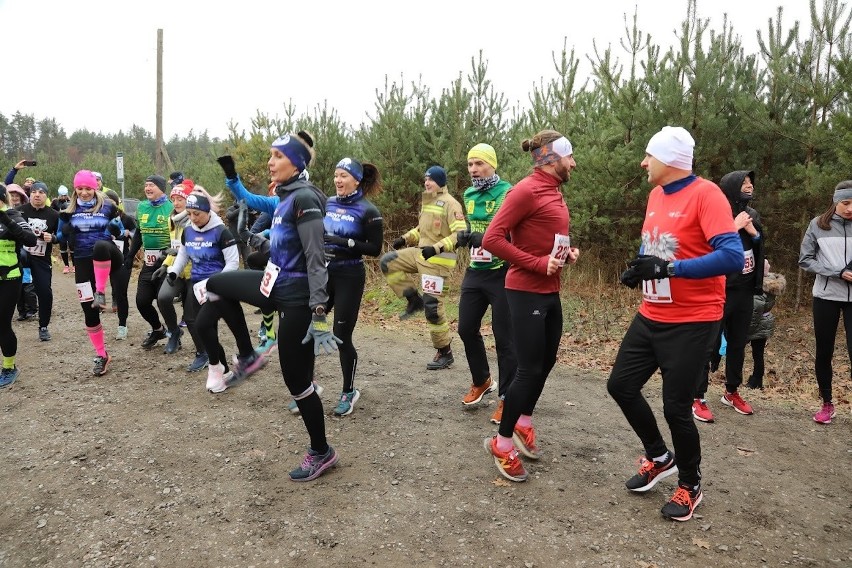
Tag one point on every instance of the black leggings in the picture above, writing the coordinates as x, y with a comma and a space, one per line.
9, 290
296, 358
146, 292
85, 272
826, 318
480, 289
739, 305
679, 350
165, 299
345, 290
537, 329
758, 347
42, 275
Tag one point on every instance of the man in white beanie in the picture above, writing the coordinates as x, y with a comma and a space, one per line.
689, 242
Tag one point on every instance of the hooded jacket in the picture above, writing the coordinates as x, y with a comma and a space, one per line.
826, 253
762, 320
731, 184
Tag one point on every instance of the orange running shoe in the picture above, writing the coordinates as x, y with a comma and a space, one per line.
498, 413
524, 439
508, 463
477, 392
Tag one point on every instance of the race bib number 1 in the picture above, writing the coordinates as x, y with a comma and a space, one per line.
657, 291
84, 292
432, 284
37, 250
267, 281
561, 246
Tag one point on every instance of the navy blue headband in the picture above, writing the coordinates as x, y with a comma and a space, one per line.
354, 168
295, 151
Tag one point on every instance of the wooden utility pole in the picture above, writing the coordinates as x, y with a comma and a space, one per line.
161, 159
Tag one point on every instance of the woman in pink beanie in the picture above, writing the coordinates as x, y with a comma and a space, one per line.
89, 223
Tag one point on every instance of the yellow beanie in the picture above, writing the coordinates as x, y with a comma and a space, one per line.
485, 153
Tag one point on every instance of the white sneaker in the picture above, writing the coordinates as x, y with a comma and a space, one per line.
121, 334
216, 378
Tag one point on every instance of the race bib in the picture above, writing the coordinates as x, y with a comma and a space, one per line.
267, 281
119, 243
432, 284
479, 254
561, 246
201, 293
748, 267
84, 292
38, 249
657, 291
152, 256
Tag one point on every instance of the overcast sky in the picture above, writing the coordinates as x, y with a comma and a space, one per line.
92, 63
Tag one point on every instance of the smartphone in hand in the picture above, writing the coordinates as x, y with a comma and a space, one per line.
30, 163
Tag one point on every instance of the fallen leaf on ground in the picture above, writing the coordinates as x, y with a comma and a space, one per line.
701, 543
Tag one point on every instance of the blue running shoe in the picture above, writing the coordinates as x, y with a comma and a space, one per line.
8, 376
347, 402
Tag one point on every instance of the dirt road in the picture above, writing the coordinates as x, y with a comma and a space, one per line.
142, 467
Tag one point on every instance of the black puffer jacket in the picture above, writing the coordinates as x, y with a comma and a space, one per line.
731, 184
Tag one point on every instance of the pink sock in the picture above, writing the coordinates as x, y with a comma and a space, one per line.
96, 336
504, 444
524, 420
101, 274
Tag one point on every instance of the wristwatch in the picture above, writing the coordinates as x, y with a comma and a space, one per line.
319, 310
351, 243
670, 269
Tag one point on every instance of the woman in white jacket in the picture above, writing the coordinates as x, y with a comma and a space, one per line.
827, 252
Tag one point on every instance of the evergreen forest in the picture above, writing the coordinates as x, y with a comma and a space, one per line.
783, 111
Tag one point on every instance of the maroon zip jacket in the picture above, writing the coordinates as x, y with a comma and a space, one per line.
533, 213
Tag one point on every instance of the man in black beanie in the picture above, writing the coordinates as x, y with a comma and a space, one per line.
152, 235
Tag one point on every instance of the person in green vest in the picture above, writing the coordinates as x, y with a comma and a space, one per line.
14, 233
484, 282
152, 236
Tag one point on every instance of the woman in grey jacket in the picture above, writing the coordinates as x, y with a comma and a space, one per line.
827, 252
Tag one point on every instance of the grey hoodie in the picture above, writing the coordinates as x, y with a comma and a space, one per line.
826, 254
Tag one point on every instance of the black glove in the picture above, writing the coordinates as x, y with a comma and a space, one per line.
630, 278
335, 240
160, 272
170, 276
428, 252
227, 163
65, 216
398, 243
475, 240
462, 238
233, 213
649, 267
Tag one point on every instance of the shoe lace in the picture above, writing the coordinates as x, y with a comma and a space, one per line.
682, 496
645, 465
308, 462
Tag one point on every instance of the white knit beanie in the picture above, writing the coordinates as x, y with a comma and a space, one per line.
673, 146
